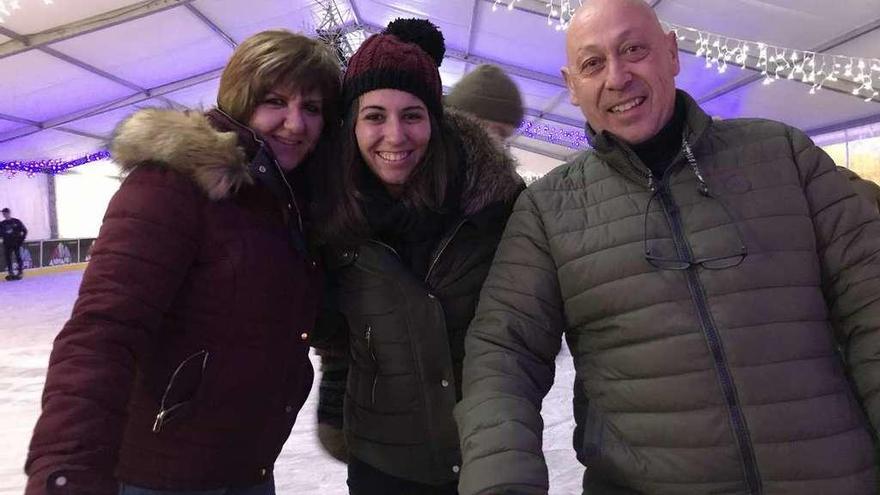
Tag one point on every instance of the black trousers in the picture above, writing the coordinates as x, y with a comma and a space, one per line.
364, 479
10, 250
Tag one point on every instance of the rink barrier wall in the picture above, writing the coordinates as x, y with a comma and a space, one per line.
52, 252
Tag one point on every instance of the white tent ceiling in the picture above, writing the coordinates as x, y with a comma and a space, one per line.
71, 70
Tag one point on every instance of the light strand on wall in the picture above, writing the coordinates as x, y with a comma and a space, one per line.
552, 134
8, 7
51, 166
777, 62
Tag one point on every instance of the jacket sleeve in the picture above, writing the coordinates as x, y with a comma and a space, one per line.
510, 352
848, 245
23, 231
144, 249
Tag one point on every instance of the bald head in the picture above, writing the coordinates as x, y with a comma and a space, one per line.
621, 68
590, 9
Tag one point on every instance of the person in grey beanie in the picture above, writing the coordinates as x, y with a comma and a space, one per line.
490, 95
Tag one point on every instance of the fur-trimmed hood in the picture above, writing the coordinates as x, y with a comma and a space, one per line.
490, 172
188, 142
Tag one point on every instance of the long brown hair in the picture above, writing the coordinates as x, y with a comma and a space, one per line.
338, 212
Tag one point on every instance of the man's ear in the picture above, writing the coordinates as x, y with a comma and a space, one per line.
568, 83
672, 42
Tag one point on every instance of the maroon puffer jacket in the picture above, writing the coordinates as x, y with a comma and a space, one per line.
185, 361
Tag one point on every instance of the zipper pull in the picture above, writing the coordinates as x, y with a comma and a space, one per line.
160, 418
651, 184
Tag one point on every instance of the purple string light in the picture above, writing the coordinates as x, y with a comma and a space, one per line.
51, 166
571, 139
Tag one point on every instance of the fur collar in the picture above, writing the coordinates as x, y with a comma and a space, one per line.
187, 142
490, 172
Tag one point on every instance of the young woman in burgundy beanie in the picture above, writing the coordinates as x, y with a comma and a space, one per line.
414, 207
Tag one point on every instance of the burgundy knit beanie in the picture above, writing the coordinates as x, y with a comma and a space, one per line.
405, 56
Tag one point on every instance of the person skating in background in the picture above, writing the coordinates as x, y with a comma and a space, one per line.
415, 205
717, 283
491, 96
13, 233
185, 362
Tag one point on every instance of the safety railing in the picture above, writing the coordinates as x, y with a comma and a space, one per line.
52, 252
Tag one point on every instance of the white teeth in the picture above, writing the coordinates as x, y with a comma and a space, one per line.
393, 157
627, 106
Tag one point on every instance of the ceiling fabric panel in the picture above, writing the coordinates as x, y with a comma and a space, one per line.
48, 144
163, 47
801, 24
538, 95
35, 16
866, 45
242, 19
6, 125
37, 87
700, 81
518, 38
104, 123
203, 95
787, 101
451, 16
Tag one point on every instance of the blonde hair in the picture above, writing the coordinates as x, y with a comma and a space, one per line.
278, 58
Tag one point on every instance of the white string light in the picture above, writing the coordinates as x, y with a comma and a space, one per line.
776, 62
559, 12
8, 7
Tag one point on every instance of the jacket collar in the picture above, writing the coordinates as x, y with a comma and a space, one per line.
620, 156
187, 142
489, 172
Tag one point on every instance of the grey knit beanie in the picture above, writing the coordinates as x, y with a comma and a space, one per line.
488, 93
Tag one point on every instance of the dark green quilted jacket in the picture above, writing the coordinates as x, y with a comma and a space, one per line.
760, 377
406, 333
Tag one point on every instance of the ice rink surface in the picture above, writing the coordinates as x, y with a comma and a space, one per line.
33, 310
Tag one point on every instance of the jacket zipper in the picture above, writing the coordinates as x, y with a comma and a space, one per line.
386, 246
443, 247
165, 411
728, 388
368, 335
292, 205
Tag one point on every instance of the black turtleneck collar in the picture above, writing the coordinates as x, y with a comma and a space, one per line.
658, 152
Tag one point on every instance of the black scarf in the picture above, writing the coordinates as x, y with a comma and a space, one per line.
658, 152
413, 233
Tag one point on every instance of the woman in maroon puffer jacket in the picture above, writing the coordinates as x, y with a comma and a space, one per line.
185, 361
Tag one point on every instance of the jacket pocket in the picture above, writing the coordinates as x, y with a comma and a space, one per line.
182, 388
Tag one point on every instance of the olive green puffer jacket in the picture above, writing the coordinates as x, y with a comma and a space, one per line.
732, 376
